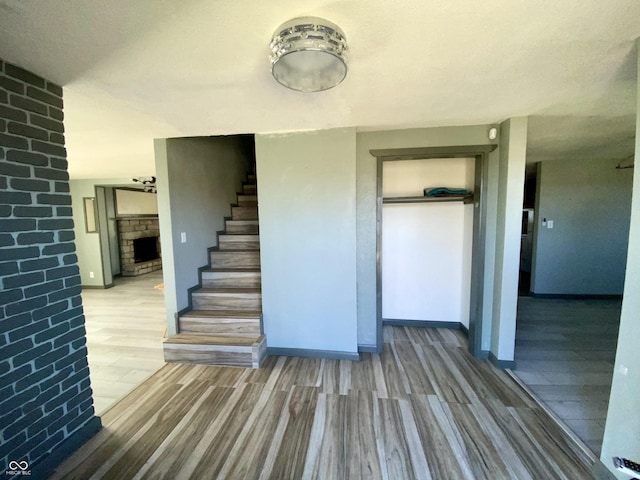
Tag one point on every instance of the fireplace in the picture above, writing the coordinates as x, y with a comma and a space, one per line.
145, 249
139, 245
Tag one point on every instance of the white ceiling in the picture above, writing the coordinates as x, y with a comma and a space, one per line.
137, 70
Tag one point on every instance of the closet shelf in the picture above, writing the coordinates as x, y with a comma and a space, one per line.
424, 199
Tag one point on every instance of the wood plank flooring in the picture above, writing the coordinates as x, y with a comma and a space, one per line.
125, 326
422, 409
565, 353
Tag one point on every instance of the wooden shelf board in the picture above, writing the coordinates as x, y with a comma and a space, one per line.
425, 199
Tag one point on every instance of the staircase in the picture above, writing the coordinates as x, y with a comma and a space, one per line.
223, 327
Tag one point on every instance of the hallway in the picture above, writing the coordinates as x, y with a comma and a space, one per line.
565, 353
125, 326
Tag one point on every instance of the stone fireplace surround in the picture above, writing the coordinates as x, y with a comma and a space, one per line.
131, 228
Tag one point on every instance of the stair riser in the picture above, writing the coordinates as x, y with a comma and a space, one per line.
244, 213
219, 326
222, 259
249, 189
248, 227
247, 200
251, 178
235, 245
231, 279
239, 242
225, 301
210, 355
240, 228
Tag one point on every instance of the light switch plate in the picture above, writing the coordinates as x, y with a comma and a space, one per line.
183, 237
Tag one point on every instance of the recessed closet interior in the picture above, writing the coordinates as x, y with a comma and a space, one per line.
426, 242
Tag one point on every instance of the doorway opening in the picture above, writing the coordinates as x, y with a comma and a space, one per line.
127, 215
568, 316
442, 284
426, 242
527, 231
125, 320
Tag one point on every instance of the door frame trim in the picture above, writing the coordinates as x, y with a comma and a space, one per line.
480, 152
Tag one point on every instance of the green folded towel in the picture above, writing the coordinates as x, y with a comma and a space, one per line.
445, 192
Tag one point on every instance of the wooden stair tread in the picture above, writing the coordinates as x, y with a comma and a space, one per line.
245, 314
232, 270
228, 290
255, 236
239, 268
235, 250
234, 238
220, 339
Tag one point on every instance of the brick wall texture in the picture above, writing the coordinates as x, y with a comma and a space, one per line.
131, 229
45, 394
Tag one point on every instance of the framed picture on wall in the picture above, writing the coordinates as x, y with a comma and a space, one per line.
90, 216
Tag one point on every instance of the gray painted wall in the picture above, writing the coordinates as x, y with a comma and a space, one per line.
366, 192
197, 182
621, 436
590, 205
312, 172
307, 192
88, 244
490, 221
511, 169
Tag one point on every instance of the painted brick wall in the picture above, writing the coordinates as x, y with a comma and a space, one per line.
45, 393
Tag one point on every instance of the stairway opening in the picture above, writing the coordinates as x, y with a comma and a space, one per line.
223, 326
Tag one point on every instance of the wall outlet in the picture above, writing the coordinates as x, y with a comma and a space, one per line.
91, 275
183, 237
549, 223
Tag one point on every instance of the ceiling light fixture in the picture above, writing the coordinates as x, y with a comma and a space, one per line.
309, 54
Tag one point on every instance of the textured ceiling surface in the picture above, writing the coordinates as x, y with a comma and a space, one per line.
134, 71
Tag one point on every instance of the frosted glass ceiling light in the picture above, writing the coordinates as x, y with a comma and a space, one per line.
309, 54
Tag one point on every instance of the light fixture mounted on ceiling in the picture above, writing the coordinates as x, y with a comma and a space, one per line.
309, 54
